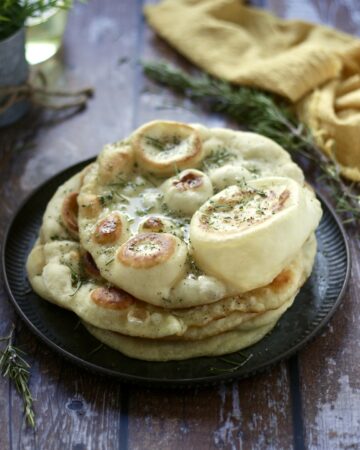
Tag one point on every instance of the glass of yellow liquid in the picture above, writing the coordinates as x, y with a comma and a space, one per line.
44, 35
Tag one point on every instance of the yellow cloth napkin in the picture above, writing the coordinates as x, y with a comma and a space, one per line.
316, 67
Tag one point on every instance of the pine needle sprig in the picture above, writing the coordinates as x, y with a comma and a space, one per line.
265, 114
14, 367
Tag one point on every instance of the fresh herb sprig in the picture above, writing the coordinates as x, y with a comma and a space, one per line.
155, 143
14, 367
217, 158
193, 267
232, 364
77, 276
265, 114
13, 13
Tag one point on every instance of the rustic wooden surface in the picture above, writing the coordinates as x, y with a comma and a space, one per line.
311, 401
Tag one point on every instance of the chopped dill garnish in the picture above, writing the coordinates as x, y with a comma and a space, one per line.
159, 145
176, 169
109, 197
144, 211
176, 215
77, 277
149, 180
165, 144
194, 269
253, 169
122, 183
217, 158
106, 198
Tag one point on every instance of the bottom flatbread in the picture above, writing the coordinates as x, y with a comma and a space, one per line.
167, 350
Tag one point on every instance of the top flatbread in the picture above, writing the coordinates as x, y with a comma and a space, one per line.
143, 208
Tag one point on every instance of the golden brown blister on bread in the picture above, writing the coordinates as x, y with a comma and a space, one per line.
115, 159
147, 250
69, 213
112, 298
187, 191
110, 229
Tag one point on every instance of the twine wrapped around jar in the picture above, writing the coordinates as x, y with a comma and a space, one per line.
34, 91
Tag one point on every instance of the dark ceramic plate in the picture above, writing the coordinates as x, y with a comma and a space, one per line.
60, 329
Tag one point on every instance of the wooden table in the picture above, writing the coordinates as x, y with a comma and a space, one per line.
311, 401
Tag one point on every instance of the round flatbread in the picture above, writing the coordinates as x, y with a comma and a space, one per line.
65, 275
179, 242
166, 350
137, 202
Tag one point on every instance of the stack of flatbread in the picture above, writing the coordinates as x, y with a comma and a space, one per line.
179, 241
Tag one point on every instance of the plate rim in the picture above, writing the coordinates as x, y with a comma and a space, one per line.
160, 382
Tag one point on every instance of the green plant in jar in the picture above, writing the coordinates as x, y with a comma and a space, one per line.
34, 26
14, 13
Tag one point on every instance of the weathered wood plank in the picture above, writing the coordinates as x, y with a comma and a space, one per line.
74, 409
250, 414
265, 406
329, 366
165, 419
330, 373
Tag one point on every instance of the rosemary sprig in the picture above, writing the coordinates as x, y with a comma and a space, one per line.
96, 349
14, 366
233, 365
265, 114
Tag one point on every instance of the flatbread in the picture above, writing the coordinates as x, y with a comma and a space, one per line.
126, 243
61, 273
166, 350
135, 213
